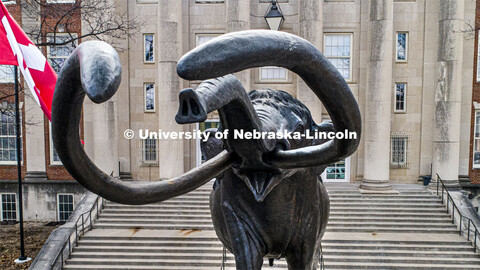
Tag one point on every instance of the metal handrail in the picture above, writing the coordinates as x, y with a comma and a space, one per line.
80, 229
476, 232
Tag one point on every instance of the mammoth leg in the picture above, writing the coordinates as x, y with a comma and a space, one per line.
245, 247
302, 257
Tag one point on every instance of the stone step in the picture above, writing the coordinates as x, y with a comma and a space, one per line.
333, 213
333, 218
158, 236
171, 211
333, 198
217, 254
397, 266
411, 229
394, 230
215, 262
206, 204
331, 223
405, 260
328, 249
93, 245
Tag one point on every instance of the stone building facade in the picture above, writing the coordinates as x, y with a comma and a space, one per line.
408, 63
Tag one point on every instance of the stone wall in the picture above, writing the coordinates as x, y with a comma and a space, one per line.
40, 197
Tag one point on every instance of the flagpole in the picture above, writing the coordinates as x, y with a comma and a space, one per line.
22, 257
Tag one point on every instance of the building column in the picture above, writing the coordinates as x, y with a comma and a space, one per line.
171, 161
238, 19
311, 29
34, 139
123, 102
34, 121
376, 130
100, 134
447, 99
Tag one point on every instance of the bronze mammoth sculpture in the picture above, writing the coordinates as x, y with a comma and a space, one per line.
268, 200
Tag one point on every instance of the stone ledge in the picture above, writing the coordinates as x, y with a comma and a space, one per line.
54, 244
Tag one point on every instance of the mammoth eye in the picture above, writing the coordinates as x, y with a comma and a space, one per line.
300, 129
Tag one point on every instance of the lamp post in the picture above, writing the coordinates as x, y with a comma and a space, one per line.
22, 257
274, 16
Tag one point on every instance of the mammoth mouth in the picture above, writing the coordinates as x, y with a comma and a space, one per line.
260, 183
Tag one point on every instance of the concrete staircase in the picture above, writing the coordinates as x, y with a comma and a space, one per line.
410, 230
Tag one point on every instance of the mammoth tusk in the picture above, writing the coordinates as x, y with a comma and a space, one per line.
94, 69
237, 51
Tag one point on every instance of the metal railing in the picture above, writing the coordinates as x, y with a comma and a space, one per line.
83, 224
470, 227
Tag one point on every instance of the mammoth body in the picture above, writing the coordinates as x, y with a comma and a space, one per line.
267, 199
289, 223
291, 220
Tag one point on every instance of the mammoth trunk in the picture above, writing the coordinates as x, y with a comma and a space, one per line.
227, 95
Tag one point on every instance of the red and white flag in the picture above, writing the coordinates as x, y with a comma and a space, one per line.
18, 50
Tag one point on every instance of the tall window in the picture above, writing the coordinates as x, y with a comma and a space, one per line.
7, 74
149, 89
149, 149
273, 74
64, 206
148, 48
400, 97
209, 123
54, 158
478, 56
476, 141
9, 206
59, 53
209, 1
60, 1
336, 171
402, 47
338, 49
202, 38
8, 141
398, 151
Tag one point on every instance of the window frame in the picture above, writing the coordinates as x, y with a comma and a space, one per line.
10, 163
58, 205
198, 35
51, 146
144, 153
1, 206
406, 142
198, 155
267, 80
478, 56
145, 98
12, 80
477, 112
350, 68
49, 56
406, 46
404, 110
209, 1
145, 61
61, 1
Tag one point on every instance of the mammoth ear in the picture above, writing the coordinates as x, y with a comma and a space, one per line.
212, 146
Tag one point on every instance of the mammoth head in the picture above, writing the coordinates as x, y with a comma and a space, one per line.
94, 69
